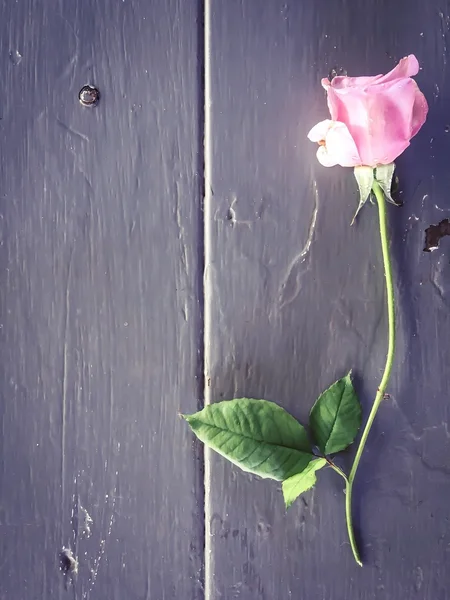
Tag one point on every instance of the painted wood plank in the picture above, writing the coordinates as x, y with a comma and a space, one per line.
296, 298
99, 313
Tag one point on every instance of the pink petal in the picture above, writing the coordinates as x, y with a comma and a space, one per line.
407, 67
396, 110
319, 131
419, 112
342, 82
381, 119
381, 115
338, 101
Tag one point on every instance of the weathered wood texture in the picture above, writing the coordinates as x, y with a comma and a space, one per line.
102, 299
100, 319
297, 298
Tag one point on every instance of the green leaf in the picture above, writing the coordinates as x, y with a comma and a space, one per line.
302, 482
256, 435
383, 176
364, 178
336, 417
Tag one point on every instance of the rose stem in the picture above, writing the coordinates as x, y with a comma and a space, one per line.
335, 468
388, 366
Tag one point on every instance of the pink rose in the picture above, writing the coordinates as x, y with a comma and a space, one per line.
373, 118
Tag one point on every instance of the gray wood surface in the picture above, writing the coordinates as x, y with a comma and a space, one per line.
297, 299
100, 215
123, 303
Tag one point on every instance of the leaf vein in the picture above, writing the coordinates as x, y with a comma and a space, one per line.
280, 444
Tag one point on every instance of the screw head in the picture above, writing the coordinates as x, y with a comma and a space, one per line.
89, 95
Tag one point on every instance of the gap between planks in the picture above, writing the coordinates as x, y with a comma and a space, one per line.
207, 292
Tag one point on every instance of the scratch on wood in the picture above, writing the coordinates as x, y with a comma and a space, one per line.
290, 286
64, 384
181, 237
110, 499
72, 131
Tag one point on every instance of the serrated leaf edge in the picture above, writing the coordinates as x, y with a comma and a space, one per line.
195, 415
317, 459
346, 378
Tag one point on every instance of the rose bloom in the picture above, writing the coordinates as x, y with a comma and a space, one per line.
372, 118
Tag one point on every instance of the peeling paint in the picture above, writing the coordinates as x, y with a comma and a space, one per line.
434, 233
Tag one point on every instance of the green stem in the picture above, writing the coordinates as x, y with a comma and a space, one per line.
348, 516
351, 534
388, 366
337, 469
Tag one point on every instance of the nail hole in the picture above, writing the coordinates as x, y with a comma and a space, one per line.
15, 57
67, 561
89, 95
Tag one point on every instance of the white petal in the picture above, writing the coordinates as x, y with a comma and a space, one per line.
324, 158
341, 145
319, 131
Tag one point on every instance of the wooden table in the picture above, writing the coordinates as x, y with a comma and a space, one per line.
178, 244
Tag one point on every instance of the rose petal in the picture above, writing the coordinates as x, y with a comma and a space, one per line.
325, 159
348, 108
381, 114
319, 131
382, 119
396, 112
407, 67
341, 146
419, 112
336, 108
342, 82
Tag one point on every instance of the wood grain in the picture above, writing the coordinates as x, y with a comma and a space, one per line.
297, 298
99, 311
105, 313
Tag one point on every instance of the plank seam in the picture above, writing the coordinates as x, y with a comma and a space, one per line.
207, 292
